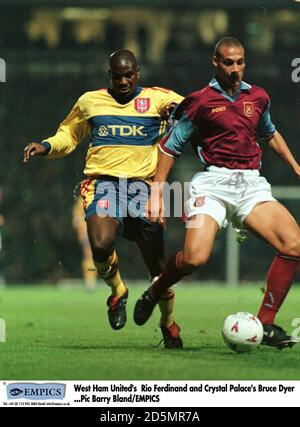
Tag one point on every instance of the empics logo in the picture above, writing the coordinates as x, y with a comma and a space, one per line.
121, 130
33, 391
2, 71
15, 391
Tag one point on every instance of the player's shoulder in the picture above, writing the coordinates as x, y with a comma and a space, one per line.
92, 94
198, 94
160, 92
197, 97
259, 91
161, 96
192, 103
159, 89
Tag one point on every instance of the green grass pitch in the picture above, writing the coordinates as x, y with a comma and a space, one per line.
55, 333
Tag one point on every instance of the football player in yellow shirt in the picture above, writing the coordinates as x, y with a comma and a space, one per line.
125, 122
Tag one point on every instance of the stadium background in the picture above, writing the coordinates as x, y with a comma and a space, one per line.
56, 50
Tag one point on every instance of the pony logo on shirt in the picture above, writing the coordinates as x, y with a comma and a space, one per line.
142, 105
248, 108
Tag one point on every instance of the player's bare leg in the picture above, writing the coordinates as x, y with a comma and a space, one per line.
102, 233
272, 222
200, 235
153, 253
89, 271
198, 243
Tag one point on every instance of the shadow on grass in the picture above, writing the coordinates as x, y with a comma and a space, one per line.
99, 347
148, 347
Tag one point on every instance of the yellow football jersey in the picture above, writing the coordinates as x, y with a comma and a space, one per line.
124, 137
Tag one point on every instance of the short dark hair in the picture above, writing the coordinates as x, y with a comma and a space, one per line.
228, 42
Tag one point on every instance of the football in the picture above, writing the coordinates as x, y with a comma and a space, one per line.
242, 332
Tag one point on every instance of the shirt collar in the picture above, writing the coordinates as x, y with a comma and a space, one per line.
136, 93
215, 85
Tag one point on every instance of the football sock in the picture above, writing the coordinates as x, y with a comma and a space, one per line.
279, 281
166, 305
89, 273
109, 271
171, 275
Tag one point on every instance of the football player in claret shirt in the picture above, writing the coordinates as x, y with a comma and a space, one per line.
125, 122
223, 122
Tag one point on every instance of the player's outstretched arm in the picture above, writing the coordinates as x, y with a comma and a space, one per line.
171, 147
34, 149
278, 144
164, 166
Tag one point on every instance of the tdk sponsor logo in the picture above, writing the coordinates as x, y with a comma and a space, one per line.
121, 130
32, 391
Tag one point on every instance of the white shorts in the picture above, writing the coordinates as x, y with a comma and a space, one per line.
227, 194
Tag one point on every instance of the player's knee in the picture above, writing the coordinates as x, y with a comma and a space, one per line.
168, 294
191, 263
102, 247
291, 248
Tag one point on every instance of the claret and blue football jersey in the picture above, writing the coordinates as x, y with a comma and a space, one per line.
223, 129
124, 137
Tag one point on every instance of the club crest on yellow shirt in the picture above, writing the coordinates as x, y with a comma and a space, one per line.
142, 105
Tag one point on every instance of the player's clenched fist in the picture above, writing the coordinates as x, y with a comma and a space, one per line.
33, 149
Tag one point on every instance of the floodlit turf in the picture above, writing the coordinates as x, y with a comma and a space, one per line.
64, 334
